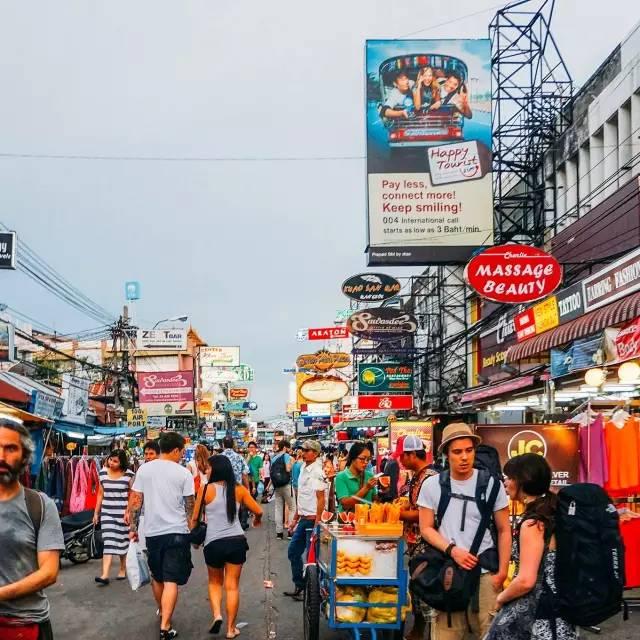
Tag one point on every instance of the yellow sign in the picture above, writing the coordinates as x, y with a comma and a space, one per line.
422, 429
153, 434
545, 315
71, 446
137, 417
300, 378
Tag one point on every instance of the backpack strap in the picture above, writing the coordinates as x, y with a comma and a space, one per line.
35, 509
445, 495
485, 506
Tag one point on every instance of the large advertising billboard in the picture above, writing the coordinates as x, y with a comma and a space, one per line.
428, 150
166, 393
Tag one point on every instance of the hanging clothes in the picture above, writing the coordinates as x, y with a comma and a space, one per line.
80, 486
593, 456
630, 531
55, 488
622, 439
68, 487
92, 486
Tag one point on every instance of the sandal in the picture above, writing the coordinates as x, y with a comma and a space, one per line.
215, 626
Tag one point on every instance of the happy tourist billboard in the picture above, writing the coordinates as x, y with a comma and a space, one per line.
428, 115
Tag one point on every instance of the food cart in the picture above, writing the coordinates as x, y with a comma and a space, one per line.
358, 581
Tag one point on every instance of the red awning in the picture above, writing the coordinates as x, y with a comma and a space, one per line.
620, 311
497, 389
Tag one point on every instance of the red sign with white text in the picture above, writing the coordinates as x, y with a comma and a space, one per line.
385, 402
513, 274
525, 323
628, 341
329, 333
165, 386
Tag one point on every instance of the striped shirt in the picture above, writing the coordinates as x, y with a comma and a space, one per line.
115, 533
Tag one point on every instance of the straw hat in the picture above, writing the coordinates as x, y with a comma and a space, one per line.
455, 431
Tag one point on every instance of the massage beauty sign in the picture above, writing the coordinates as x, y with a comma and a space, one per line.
513, 274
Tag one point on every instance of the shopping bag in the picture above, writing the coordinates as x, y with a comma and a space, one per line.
137, 567
96, 545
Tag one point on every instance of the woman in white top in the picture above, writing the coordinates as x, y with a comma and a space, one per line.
225, 546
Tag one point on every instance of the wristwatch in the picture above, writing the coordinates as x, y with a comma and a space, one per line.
448, 550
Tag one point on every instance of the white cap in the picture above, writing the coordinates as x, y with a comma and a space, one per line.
413, 443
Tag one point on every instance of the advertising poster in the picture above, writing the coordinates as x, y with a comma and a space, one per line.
422, 429
385, 377
166, 393
161, 339
428, 150
557, 443
75, 392
219, 356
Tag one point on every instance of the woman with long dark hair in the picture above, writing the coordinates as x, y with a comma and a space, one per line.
225, 546
525, 606
355, 483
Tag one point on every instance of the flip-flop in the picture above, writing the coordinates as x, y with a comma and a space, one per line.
102, 581
215, 626
121, 578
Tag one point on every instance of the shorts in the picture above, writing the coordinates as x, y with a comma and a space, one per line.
170, 557
226, 551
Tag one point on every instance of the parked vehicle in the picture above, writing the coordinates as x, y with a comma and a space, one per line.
78, 530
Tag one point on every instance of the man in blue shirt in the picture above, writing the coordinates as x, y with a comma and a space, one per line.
281, 465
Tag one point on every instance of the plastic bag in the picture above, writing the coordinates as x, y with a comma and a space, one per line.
385, 615
350, 594
137, 567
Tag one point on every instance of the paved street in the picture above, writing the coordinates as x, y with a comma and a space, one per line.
82, 610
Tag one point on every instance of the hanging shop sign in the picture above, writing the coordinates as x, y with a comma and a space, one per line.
370, 287
428, 169
494, 343
317, 423
386, 402
223, 375
8, 248
323, 360
132, 290
137, 417
588, 352
327, 333
421, 428
557, 443
75, 392
7, 342
323, 389
538, 319
161, 340
238, 393
166, 393
46, 405
615, 281
382, 324
240, 406
628, 341
219, 356
560, 361
385, 377
513, 274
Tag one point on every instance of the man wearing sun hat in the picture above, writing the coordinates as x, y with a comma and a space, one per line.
458, 495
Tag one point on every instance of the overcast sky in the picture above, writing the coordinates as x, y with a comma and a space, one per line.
251, 249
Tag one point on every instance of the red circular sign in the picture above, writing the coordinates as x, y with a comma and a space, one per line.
513, 274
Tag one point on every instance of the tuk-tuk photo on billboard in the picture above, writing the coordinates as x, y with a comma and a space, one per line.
428, 115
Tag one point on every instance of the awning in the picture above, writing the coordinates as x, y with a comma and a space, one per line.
73, 429
620, 311
497, 389
25, 416
118, 431
367, 423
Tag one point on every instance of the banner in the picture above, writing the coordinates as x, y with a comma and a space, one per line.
75, 392
628, 341
428, 150
385, 377
422, 429
166, 393
136, 417
161, 340
386, 403
219, 356
557, 443
7, 338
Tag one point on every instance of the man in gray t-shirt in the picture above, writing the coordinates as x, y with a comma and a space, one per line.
27, 565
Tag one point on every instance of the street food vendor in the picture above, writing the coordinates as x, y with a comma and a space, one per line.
355, 481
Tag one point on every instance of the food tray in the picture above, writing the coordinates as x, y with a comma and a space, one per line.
383, 529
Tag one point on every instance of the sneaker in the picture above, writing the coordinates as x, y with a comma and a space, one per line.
280, 536
168, 634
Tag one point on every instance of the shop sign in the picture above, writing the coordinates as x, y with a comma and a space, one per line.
385, 403
538, 319
557, 443
219, 356
317, 423
323, 360
158, 422
385, 377
628, 341
382, 324
45, 404
8, 246
240, 406
75, 392
328, 333
587, 352
71, 446
513, 274
323, 389
7, 342
494, 344
238, 393
136, 417
498, 389
166, 393
161, 340
561, 361
132, 290
570, 303
370, 287
615, 281
421, 428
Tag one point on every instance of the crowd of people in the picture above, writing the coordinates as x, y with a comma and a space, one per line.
457, 512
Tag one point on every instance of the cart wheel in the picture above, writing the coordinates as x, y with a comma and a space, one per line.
312, 604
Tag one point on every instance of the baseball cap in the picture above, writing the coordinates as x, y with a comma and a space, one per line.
312, 445
413, 443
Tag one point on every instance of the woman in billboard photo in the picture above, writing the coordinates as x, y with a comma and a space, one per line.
426, 91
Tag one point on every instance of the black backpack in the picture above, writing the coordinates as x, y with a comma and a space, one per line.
280, 477
487, 458
589, 571
435, 578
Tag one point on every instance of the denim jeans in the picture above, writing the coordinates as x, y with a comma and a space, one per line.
297, 546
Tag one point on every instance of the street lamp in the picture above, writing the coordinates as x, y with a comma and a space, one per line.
174, 319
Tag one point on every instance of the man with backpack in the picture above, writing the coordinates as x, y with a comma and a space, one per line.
30, 539
281, 465
464, 517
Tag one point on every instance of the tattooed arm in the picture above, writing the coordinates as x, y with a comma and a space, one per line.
135, 507
189, 503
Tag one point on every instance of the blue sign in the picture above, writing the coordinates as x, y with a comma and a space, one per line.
240, 406
132, 290
45, 405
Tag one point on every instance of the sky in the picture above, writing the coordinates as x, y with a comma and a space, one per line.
253, 231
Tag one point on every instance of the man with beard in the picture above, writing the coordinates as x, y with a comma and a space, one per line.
30, 538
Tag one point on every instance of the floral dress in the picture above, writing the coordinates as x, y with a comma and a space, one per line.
520, 619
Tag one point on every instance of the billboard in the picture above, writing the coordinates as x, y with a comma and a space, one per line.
75, 392
385, 377
219, 356
161, 340
428, 114
422, 429
166, 393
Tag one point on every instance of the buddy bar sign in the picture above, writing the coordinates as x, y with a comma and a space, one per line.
513, 274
